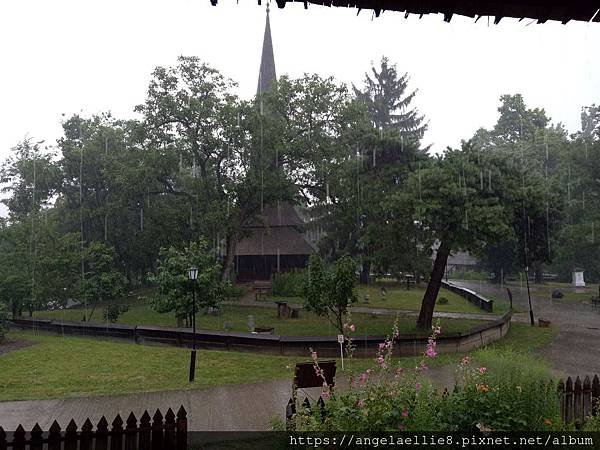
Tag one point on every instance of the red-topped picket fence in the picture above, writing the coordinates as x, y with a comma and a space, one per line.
150, 433
579, 399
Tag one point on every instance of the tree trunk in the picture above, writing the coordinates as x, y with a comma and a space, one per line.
433, 287
232, 241
538, 273
365, 272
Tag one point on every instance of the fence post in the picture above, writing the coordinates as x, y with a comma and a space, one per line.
3, 444
116, 438
181, 429
587, 398
577, 403
102, 434
36, 442
19, 438
169, 429
569, 400
157, 431
596, 395
54, 438
86, 435
145, 429
131, 433
71, 436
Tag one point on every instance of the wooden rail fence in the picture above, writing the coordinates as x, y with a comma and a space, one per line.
580, 399
156, 433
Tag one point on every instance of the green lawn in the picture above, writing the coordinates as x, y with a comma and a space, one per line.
397, 297
59, 367
569, 292
236, 317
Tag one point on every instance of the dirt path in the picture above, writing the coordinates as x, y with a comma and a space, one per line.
576, 349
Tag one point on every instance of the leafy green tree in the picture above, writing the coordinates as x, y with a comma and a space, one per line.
15, 269
3, 320
175, 287
388, 102
451, 208
102, 282
329, 292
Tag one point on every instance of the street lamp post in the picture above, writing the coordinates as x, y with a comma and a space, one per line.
193, 276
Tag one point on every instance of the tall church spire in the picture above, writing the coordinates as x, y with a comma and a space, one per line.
266, 75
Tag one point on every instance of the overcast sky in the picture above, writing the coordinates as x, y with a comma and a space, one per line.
74, 56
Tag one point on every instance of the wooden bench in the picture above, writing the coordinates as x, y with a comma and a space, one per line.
261, 289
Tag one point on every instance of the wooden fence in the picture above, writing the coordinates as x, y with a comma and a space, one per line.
156, 433
579, 400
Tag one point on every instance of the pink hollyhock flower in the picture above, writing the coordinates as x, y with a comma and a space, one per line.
314, 356
405, 413
360, 403
418, 386
401, 427
482, 370
325, 394
465, 361
352, 327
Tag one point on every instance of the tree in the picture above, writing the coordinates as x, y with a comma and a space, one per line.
175, 288
452, 208
3, 320
388, 103
329, 292
102, 281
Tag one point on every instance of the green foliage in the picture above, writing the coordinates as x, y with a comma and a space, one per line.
176, 288
3, 320
289, 284
102, 280
113, 311
514, 392
328, 291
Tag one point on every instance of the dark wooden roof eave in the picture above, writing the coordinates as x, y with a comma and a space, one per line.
540, 10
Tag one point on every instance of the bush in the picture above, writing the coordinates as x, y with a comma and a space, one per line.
289, 284
3, 320
442, 301
113, 311
511, 391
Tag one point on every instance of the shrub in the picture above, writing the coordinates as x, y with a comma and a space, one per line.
289, 284
442, 301
511, 391
3, 320
113, 311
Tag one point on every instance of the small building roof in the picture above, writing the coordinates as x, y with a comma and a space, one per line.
283, 240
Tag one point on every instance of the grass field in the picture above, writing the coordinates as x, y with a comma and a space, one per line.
570, 293
398, 297
236, 319
58, 367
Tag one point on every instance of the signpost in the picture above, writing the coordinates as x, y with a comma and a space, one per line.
341, 342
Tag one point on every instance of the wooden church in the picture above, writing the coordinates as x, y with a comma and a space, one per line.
278, 241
